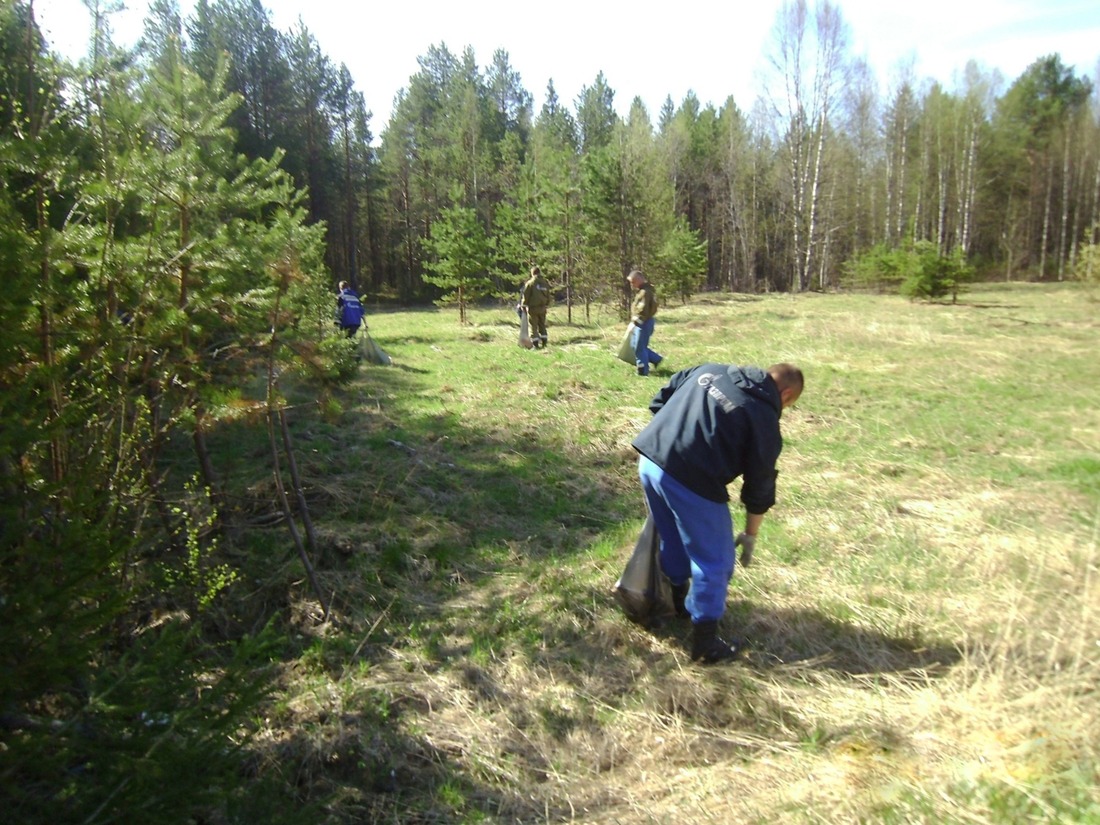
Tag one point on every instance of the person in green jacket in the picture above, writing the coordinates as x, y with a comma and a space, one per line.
642, 313
535, 302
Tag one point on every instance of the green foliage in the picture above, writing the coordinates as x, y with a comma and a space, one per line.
198, 577
1087, 266
1083, 472
1038, 99
163, 276
963, 167
341, 355
930, 275
601, 260
596, 116
461, 255
683, 258
133, 734
881, 268
516, 234
919, 271
113, 701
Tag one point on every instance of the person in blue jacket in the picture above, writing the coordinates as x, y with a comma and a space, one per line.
349, 309
711, 424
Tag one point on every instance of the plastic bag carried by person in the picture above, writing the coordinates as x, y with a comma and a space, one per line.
643, 591
626, 348
371, 352
524, 330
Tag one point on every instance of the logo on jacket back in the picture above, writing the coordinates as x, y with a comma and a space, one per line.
351, 311
706, 380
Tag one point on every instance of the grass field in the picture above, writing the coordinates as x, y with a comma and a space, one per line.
922, 609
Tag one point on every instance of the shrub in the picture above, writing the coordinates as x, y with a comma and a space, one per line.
1087, 266
931, 275
881, 269
919, 271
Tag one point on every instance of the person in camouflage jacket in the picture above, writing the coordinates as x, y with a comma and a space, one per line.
535, 302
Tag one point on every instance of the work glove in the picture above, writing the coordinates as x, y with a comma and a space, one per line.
748, 544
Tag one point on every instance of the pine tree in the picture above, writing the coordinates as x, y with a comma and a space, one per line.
1034, 131
554, 171
461, 254
683, 260
137, 306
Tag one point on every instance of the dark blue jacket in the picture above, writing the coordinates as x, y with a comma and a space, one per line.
350, 309
713, 423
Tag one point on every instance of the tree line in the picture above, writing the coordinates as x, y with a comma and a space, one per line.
792, 194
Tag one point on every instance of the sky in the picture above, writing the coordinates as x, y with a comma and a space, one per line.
651, 51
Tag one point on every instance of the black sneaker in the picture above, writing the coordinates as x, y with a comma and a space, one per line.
708, 648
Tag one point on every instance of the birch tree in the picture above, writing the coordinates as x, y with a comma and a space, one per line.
900, 130
863, 146
808, 62
976, 107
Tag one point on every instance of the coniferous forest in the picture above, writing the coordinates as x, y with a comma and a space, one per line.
175, 218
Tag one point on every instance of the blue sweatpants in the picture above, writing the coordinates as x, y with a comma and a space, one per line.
696, 540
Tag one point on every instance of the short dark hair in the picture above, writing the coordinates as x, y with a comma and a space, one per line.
787, 376
536, 271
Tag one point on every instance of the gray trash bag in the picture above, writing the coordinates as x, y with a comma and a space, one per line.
643, 591
371, 352
626, 349
524, 333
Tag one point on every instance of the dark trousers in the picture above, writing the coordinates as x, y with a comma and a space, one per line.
537, 317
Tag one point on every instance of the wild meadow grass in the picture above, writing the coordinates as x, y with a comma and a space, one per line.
922, 612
